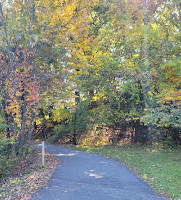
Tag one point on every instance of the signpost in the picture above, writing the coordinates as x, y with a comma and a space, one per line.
43, 153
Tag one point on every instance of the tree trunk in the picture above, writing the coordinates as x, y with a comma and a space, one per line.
23, 119
77, 101
74, 131
14, 142
137, 131
6, 118
8, 50
10, 59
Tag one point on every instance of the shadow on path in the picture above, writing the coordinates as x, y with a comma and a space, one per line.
85, 176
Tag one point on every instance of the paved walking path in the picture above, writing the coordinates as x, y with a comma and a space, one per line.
85, 176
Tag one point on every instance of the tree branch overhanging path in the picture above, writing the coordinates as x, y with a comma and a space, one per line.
92, 73
87, 176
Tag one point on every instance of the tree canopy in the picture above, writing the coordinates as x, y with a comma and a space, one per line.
72, 65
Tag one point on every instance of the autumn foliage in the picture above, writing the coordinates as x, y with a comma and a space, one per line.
69, 67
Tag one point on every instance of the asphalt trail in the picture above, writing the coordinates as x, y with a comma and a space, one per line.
86, 176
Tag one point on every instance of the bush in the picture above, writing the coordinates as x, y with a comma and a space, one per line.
61, 132
70, 124
6, 163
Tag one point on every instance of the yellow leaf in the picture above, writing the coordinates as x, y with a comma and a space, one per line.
145, 176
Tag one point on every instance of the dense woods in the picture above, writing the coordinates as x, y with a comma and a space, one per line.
95, 72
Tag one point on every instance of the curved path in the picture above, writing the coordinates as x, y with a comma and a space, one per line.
85, 176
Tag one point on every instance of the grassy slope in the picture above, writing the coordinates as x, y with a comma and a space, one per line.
161, 169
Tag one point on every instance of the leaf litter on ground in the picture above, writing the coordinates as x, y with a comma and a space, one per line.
27, 178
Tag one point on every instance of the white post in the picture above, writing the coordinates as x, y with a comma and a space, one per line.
43, 153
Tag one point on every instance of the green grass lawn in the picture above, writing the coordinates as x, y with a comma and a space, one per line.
161, 169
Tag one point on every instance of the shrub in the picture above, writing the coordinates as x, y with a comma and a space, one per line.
5, 156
